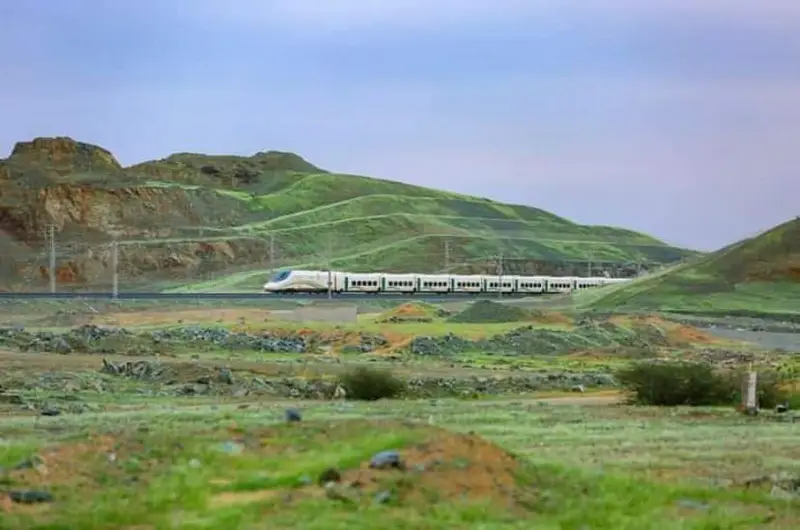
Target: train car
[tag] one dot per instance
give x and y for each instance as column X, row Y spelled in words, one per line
column 307, row 281
column 433, row 283
column 303, row 281
column 531, row 284
column 466, row 283
column 362, row 282
column 398, row 283
column 565, row 284
column 588, row 283
column 499, row 284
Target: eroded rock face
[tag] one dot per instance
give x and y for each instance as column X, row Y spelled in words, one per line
column 66, row 155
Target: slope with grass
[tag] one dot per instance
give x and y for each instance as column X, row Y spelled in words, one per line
column 189, row 216
column 758, row 276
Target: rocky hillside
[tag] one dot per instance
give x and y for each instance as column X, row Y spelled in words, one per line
column 192, row 218
column 759, row 276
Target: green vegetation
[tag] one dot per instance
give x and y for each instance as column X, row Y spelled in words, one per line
column 369, row 384
column 697, row 384
column 215, row 214
column 758, row 276
column 182, row 423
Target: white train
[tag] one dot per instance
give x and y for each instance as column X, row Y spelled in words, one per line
column 303, row 281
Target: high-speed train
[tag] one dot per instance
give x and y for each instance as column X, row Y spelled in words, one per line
column 307, row 281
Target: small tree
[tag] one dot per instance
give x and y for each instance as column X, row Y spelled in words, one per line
column 370, row 384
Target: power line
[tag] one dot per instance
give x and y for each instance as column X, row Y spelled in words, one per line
column 51, row 237
column 114, row 267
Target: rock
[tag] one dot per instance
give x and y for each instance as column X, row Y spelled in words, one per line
column 386, row 459
column 329, row 475
column 578, row 388
column 293, row 415
column 30, row 496
column 50, row 411
column 382, row 497
column 232, row 448
column 61, row 346
column 337, row 492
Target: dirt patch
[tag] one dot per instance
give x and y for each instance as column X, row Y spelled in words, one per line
column 186, row 316
column 71, row 467
column 411, row 312
column 445, row 467
column 676, row 334
column 449, row 467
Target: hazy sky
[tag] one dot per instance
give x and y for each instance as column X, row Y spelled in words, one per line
column 680, row 118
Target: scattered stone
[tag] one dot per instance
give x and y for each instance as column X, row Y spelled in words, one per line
column 232, row 448
column 692, row 504
column 30, row 496
column 338, row 493
column 329, row 475
column 383, row 497
column 29, row 463
column 386, row 459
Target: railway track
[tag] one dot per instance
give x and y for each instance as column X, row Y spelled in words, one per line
column 253, row 296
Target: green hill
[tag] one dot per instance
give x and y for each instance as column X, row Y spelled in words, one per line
column 756, row 276
column 198, row 222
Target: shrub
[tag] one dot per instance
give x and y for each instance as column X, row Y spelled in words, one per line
column 370, row 384
column 695, row 384
column 675, row 384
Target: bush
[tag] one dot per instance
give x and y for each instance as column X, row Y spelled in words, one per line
column 675, row 384
column 696, row 384
column 370, row 384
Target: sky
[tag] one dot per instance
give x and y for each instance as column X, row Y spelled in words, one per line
column 678, row 118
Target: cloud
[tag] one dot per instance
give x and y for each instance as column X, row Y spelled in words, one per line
column 417, row 14
column 678, row 117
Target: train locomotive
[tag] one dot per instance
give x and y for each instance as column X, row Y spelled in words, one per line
column 309, row 282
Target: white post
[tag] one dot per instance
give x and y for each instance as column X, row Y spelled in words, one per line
column 751, row 395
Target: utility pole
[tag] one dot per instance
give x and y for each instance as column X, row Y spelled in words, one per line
column 328, row 260
column 500, row 276
column 51, row 236
column 447, row 255
column 272, row 252
column 114, row 269
column 590, row 266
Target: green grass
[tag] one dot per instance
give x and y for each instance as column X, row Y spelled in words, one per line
column 758, row 276
column 230, row 206
column 578, row 466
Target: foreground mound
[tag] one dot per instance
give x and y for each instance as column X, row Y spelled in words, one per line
column 755, row 276
column 411, row 312
column 324, row 466
column 486, row 311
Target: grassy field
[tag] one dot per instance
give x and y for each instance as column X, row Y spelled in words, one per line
column 134, row 450
column 525, row 464
column 214, row 216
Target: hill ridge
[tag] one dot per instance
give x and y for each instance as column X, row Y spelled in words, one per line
column 756, row 275
column 188, row 216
